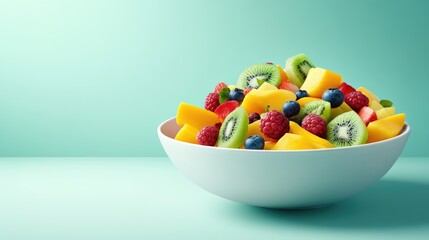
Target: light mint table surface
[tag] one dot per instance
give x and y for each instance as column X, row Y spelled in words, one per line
column 147, row 198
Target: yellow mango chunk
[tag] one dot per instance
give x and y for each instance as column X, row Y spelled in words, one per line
column 269, row 145
column 257, row 101
column 318, row 80
column 266, row 87
column 250, row 103
column 375, row 105
column 385, row 128
column 291, row 141
column 385, row 112
column 305, row 100
column 283, row 76
column 187, row 134
column 195, row 116
column 255, row 129
column 344, row 107
column 371, row 96
column 296, row 129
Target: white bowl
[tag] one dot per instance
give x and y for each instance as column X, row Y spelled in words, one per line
column 282, row 179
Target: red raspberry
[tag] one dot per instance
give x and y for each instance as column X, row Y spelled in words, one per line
column 212, row 101
column 218, row 125
column 314, row 124
column 219, row 87
column 356, row 100
column 208, row 136
column 274, row 124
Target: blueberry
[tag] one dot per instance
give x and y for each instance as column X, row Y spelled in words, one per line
column 291, row 108
column 254, row 142
column 334, row 96
column 301, row 93
column 237, row 95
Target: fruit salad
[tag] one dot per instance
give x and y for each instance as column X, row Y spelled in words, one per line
column 300, row 106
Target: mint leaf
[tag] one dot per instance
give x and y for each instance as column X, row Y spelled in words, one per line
column 224, row 95
column 386, row 103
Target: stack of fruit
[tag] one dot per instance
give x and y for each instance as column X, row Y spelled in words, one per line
column 299, row 107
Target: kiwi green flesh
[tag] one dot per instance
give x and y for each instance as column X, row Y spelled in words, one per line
column 347, row 129
column 297, row 68
column 302, row 68
column 253, row 75
column 234, row 129
column 319, row 107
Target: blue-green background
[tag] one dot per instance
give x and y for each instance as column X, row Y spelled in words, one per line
column 95, row 78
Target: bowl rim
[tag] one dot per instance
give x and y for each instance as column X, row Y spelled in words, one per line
column 404, row 132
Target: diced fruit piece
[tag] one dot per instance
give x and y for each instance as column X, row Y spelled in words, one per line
column 237, row 94
column 253, row 117
column 319, row 80
column 269, row 145
column 266, row 87
column 314, row 124
column 255, row 75
column 347, row 129
column 195, row 116
column 283, row 76
column 345, row 88
column 232, row 87
column 233, row 130
column 219, row 87
column 339, row 110
column 334, row 96
column 274, row 124
column 296, row 129
column 301, row 94
column 319, row 107
column 305, row 100
column 291, row 108
column 297, row 68
column 386, row 103
column 292, row 141
column 225, row 108
column 385, row 112
column 257, row 101
column 247, row 90
column 375, row 105
column 367, row 115
column 369, row 94
column 212, row 101
column 385, row 128
column 208, row 136
column 356, row 100
column 254, row 129
column 187, row 134
column 288, row 86
column 254, row 142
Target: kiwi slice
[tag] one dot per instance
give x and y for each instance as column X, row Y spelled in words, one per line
column 234, row 129
column 319, row 107
column 255, row 75
column 297, row 68
column 347, row 129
